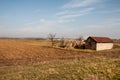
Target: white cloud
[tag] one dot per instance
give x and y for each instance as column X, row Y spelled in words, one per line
column 73, row 9
column 42, row 29
column 65, row 20
column 111, row 11
column 74, row 13
column 42, row 20
column 108, row 27
column 58, row 26
column 78, row 3
column 63, row 12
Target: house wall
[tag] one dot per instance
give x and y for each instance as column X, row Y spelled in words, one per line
column 90, row 44
column 93, row 45
column 103, row 46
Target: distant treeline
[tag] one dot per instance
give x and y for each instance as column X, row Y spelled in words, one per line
column 23, row 38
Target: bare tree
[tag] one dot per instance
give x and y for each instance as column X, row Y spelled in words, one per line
column 51, row 38
column 80, row 38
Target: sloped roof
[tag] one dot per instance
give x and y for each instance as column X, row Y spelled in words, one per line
column 102, row 39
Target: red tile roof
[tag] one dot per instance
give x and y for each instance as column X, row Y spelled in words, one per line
column 102, row 39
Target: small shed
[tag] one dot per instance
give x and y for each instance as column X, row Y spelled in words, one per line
column 99, row 43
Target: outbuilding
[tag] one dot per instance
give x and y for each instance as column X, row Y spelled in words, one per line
column 99, row 43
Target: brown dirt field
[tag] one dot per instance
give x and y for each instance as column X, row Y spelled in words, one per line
column 14, row 52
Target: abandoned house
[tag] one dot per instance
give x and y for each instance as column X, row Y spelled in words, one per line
column 99, row 43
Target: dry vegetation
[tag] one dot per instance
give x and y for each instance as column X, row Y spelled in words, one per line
column 37, row 60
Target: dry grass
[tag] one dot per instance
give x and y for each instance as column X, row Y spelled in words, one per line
column 36, row 60
column 22, row 51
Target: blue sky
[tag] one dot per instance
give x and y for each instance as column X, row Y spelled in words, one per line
column 66, row 18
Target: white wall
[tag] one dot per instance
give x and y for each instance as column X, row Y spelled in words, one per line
column 103, row 46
